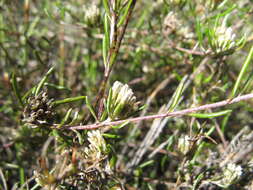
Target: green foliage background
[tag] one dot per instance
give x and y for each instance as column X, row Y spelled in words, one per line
column 157, row 49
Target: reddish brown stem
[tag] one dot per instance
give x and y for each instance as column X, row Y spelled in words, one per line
column 169, row 114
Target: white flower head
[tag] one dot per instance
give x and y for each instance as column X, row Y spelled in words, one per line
column 92, row 14
column 122, row 94
column 184, row 144
column 96, row 154
column 230, row 175
column 96, row 140
column 224, row 38
column 122, row 98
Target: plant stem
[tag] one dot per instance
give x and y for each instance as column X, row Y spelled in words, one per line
column 168, row 114
column 115, row 43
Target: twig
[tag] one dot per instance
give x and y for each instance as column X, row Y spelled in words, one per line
column 169, row 114
column 116, row 38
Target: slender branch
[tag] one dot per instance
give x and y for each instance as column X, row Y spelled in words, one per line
column 116, row 37
column 169, row 114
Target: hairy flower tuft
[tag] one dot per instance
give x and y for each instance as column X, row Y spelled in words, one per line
column 184, row 144
column 92, row 15
column 223, row 38
column 231, row 174
column 122, row 101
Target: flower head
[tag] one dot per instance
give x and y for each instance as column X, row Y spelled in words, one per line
column 96, row 140
column 97, row 146
column 230, row 175
column 223, row 38
column 92, row 15
column 170, row 23
column 122, row 93
column 122, row 101
column 184, row 144
column 96, row 155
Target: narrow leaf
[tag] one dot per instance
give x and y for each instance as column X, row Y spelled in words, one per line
column 145, row 164
column 58, row 87
column 66, row 117
column 177, row 94
column 106, row 6
column 90, row 108
column 106, row 43
column 210, row 115
column 16, row 90
column 242, row 72
column 43, row 80
column 123, row 17
column 109, row 102
column 68, row 100
column 111, row 136
column 121, row 125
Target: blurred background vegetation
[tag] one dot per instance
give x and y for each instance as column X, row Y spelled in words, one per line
column 166, row 42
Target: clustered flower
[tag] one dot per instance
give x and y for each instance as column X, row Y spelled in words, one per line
column 184, row 144
column 39, row 110
column 96, row 157
column 90, row 163
column 173, row 24
column 123, row 101
column 97, row 146
column 230, row 175
column 224, row 38
column 92, row 15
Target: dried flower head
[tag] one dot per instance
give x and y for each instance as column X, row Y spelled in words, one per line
column 122, row 101
column 170, row 23
column 39, row 110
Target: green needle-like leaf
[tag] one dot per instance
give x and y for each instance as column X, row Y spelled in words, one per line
column 242, row 73
column 210, row 115
column 68, row 100
column 16, row 90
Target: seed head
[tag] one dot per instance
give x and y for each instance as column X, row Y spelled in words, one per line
column 39, row 110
